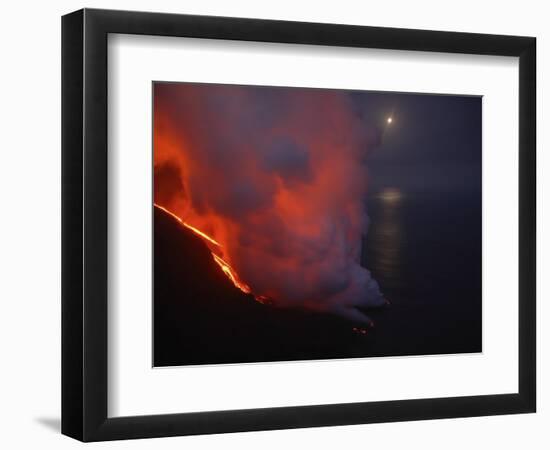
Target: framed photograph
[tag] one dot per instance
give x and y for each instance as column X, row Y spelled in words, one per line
column 272, row 224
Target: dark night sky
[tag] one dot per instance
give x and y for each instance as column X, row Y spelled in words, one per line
column 433, row 144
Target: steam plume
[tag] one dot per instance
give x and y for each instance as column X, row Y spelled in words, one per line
column 277, row 176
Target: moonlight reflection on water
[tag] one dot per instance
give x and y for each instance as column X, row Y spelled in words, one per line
column 385, row 238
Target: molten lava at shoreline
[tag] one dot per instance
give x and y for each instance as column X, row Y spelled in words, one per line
column 224, row 265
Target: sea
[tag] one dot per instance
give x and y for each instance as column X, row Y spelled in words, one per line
column 425, row 251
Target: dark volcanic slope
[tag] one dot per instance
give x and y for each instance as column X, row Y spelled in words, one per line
column 201, row 318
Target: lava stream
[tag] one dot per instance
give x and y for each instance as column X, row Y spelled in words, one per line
column 226, row 268
column 192, row 228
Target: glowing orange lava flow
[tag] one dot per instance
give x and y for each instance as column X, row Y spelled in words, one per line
column 192, row 228
column 226, row 268
column 232, row 275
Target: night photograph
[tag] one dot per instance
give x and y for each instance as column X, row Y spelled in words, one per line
column 302, row 224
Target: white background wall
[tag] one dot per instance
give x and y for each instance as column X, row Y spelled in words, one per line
column 30, row 222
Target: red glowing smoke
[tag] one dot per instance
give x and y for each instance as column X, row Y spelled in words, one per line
column 277, row 177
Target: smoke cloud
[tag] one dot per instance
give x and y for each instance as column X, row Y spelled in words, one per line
column 278, row 177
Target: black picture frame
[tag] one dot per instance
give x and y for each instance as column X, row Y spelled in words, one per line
column 84, row 224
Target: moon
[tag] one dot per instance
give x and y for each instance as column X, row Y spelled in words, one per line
column 390, row 119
